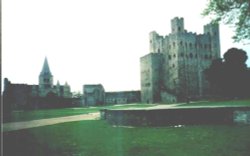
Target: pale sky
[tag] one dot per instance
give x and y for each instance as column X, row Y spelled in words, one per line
column 91, row 41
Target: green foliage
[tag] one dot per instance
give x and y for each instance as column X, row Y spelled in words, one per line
column 230, row 78
column 232, row 12
column 77, row 94
column 97, row 138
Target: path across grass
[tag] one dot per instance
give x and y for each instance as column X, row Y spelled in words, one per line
column 98, row 138
column 51, row 121
column 53, row 113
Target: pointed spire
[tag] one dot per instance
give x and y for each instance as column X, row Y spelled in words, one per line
column 45, row 70
column 66, row 83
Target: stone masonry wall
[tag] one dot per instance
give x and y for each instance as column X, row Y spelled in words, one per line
column 185, row 55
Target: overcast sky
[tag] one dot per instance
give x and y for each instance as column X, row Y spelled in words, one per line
column 91, row 41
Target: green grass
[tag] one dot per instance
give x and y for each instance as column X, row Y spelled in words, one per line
column 96, row 138
column 220, row 103
column 51, row 113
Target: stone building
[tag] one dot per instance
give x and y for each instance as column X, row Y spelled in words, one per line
column 93, row 94
column 24, row 95
column 173, row 70
column 46, row 85
column 122, row 97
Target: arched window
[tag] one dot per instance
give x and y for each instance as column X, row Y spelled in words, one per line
column 179, row 29
column 205, row 46
column 190, row 45
column 200, row 45
column 46, row 80
column 209, row 46
column 191, row 55
column 169, row 57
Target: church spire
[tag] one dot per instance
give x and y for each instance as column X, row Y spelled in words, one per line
column 45, row 70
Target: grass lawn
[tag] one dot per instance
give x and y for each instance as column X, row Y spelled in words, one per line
column 220, row 103
column 97, row 138
column 51, row 113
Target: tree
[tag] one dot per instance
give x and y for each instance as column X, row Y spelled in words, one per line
column 232, row 12
column 214, row 76
column 230, row 77
column 76, row 95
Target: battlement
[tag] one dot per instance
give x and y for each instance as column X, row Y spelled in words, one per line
column 212, row 29
column 151, row 55
column 177, row 25
column 155, row 35
column 172, row 69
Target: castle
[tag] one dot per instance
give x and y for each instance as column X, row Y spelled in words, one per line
column 173, row 70
column 21, row 95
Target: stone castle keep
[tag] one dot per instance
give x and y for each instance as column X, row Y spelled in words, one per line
column 173, row 70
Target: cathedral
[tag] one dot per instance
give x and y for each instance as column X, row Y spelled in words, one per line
column 173, row 70
column 46, row 85
column 21, row 95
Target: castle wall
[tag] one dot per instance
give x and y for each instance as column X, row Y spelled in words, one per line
column 94, row 95
column 150, row 77
column 155, row 42
column 185, row 55
column 22, row 96
column 15, row 96
column 166, row 97
column 122, row 97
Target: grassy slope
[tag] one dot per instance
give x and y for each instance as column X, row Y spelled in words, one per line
column 51, row 113
column 220, row 103
column 96, row 138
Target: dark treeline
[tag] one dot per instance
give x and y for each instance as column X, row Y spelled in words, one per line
column 230, row 77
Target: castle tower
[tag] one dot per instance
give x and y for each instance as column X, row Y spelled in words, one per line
column 173, row 71
column 58, row 90
column 45, row 80
column 177, row 25
column 156, row 42
column 66, row 90
column 212, row 30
